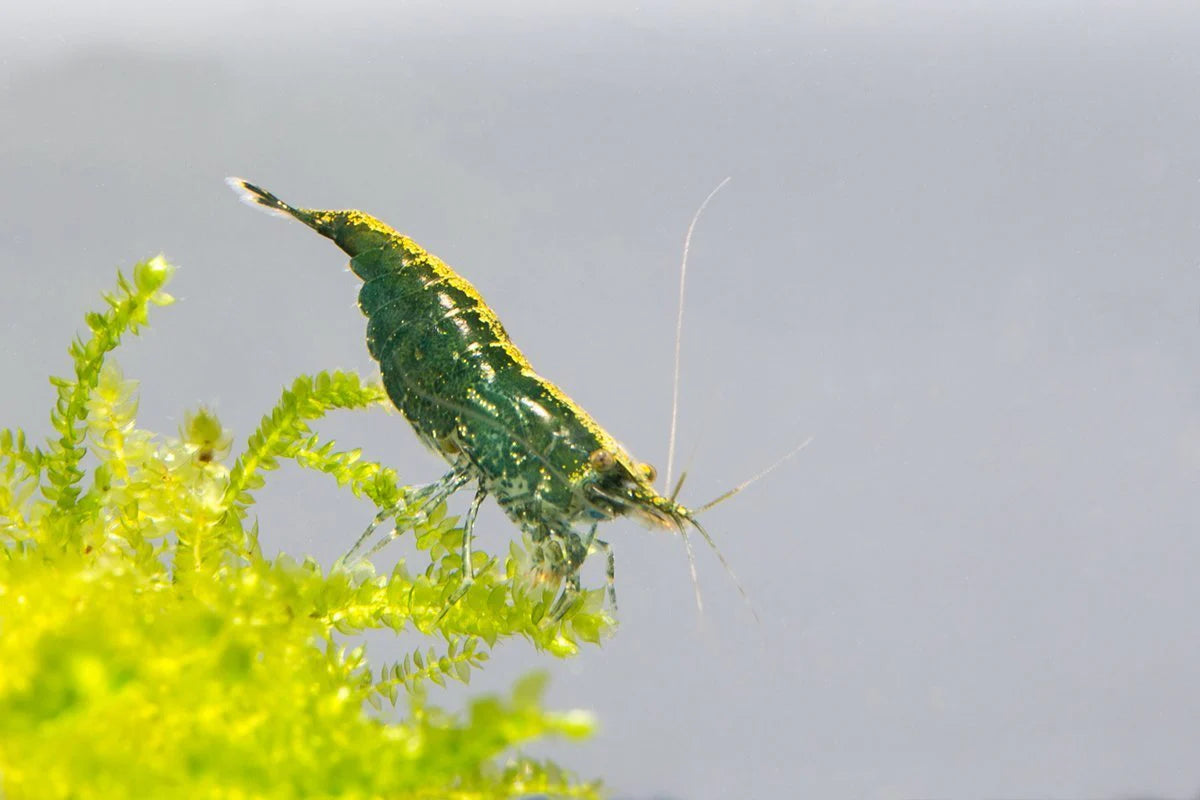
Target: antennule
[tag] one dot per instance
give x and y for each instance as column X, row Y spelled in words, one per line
column 725, row 564
column 687, row 543
column 721, row 498
column 678, row 486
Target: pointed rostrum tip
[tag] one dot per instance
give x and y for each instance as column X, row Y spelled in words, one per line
column 260, row 198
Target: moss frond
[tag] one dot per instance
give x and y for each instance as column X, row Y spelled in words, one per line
column 21, row 468
column 150, row 650
column 284, row 432
column 128, row 309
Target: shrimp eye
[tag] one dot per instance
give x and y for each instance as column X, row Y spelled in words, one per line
column 602, row 460
column 648, row 472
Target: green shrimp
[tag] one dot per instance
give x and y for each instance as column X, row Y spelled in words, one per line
column 472, row 397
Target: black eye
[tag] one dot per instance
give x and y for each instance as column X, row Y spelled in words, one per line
column 602, row 460
column 648, row 472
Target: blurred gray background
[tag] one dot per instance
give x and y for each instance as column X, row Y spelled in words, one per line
column 961, row 249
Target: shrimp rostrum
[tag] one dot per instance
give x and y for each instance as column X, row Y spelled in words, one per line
column 473, row 398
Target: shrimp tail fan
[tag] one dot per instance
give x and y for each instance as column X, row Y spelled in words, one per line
column 260, row 198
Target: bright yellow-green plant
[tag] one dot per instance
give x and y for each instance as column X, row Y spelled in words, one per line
column 149, row 650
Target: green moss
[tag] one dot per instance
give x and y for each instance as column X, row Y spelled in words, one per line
column 148, row 649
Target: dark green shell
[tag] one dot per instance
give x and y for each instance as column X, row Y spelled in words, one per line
column 472, row 397
column 451, row 369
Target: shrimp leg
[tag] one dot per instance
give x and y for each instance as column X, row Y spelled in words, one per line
column 467, row 568
column 428, row 497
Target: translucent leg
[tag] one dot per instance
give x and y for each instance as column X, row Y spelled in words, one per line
column 610, row 571
column 587, row 540
column 384, row 514
column 468, row 570
column 571, row 591
column 566, row 600
column 428, row 496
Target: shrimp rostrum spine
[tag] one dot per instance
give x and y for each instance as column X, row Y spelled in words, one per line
column 472, row 397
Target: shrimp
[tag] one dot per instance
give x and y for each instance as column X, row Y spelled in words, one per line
column 473, row 398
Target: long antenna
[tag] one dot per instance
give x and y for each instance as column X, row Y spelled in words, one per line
column 687, row 243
